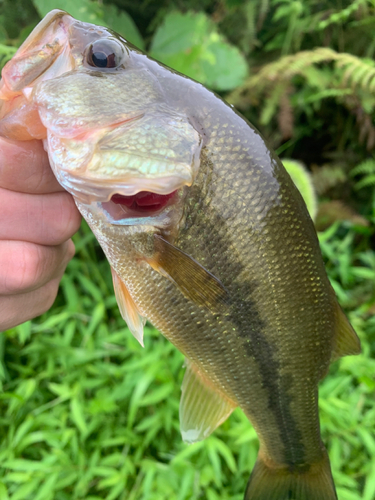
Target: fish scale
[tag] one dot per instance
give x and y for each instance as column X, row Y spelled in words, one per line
column 229, row 270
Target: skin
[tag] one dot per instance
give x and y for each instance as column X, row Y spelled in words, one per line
column 38, row 219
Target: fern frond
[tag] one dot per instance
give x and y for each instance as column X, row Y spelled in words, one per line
column 288, row 66
column 357, row 72
column 369, row 180
column 323, row 94
column 348, row 79
column 366, row 167
column 272, row 102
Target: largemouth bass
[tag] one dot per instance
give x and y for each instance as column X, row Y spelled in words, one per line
column 205, row 232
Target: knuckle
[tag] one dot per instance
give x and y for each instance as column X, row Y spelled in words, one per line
column 71, row 250
column 25, row 269
column 67, row 253
column 16, row 309
column 66, row 218
column 48, row 295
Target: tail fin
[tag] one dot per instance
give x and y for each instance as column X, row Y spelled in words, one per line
column 312, row 483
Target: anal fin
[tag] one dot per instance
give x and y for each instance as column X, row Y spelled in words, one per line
column 128, row 309
column 202, row 407
column 346, row 340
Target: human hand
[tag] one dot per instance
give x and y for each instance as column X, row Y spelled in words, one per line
column 38, row 217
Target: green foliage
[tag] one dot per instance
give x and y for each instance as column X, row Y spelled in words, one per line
column 303, row 181
column 349, row 80
column 366, row 168
column 6, row 53
column 191, row 44
column 85, row 411
column 95, row 12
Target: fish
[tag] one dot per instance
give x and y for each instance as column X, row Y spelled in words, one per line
column 207, row 237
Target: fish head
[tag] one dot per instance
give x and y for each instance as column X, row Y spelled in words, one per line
column 114, row 138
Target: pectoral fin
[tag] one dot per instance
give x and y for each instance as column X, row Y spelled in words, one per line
column 128, row 309
column 202, row 407
column 190, row 277
column 346, row 340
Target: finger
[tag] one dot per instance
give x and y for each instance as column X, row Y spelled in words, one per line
column 16, row 309
column 24, row 167
column 26, row 266
column 46, row 219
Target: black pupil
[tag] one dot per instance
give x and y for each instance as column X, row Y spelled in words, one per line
column 100, row 59
column 103, row 54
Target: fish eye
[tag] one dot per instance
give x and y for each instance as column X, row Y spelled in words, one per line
column 106, row 53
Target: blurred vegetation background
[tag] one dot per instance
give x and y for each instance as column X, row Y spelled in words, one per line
column 86, row 413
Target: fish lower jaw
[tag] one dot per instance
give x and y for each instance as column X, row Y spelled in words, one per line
column 89, row 190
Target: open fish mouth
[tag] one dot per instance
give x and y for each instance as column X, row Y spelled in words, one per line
column 142, row 204
column 140, row 208
column 144, row 201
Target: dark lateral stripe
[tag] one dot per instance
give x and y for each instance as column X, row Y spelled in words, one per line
column 244, row 315
column 257, row 347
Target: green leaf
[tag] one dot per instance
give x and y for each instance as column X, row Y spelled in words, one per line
column 25, row 390
column 179, row 33
column 3, row 491
column 24, row 331
column 47, row 489
column 369, row 490
column 226, row 454
column 84, row 10
column 227, row 68
column 122, row 23
column 156, row 395
column 95, row 13
column 191, row 44
column 302, row 179
column 78, row 415
column 61, row 390
column 25, row 465
column 24, row 491
column 91, row 288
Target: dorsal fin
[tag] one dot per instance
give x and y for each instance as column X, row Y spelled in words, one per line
column 346, row 340
column 128, row 309
column 202, row 406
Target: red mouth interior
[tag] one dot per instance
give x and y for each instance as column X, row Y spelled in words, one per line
column 144, row 201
